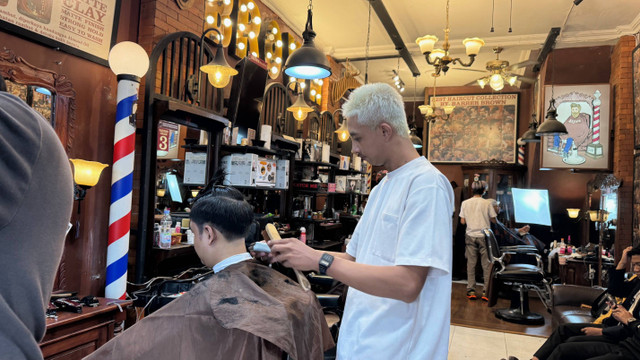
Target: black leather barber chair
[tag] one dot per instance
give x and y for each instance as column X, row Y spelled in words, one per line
column 331, row 295
column 521, row 278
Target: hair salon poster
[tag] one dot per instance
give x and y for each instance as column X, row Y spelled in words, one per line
column 86, row 28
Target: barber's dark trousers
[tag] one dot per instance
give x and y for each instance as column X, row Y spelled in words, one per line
column 572, row 336
column 590, row 350
column 476, row 247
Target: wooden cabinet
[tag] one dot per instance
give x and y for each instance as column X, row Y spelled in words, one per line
column 73, row 336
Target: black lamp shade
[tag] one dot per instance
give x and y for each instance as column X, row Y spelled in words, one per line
column 551, row 126
column 307, row 63
column 530, row 135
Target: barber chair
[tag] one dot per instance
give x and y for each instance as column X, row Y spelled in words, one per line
column 521, row 278
column 331, row 295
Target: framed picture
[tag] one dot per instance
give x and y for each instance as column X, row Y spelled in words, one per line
column 481, row 127
column 83, row 28
column 585, row 112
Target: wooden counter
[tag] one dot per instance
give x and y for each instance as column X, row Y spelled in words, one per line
column 74, row 336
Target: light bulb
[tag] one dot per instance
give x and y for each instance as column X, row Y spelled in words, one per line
column 496, row 82
column 254, row 54
column 226, row 22
column 218, row 79
column 512, row 80
column 292, row 79
column 482, row 83
column 313, row 92
column 241, row 27
column 274, row 31
column 227, row 2
column 299, row 115
column 274, row 70
column 241, row 46
column 252, row 34
column 318, row 96
column 292, row 46
column 279, row 43
column 251, row 5
column 320, row 82
column 209, row 19
column 257, row 20
column 303, row 85
column 243, row 8
column 278, row 60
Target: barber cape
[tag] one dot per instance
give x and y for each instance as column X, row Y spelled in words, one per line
column 246, row 311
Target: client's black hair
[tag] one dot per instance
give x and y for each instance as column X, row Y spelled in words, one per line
column 3, row 84
column 222, row 207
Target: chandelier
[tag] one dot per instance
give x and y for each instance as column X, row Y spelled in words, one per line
column 433, row 113
column 440, row 58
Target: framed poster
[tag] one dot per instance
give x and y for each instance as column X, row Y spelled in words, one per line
column 481, row 127
column 83, row 28
column 585, row 112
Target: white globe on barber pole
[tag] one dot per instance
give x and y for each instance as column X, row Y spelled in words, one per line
column 129, row 61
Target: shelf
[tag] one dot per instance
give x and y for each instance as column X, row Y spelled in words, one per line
column 256, row 187
column 247, row 149
column 316, row 163
column 195, row 147
column 352, row 172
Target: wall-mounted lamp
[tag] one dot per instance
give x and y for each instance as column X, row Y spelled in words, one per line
column 300, row 109
column 161, row 192
column 85, row 175
column 593, row 215
column 194, row 192
column 308, row 62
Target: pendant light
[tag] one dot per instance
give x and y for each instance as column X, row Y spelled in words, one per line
column 551, row 125
column 218, row 70
column 308, row 62
column 300, row 109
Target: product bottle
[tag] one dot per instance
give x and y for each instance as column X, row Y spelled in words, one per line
column 165, row 230
column 303, row 235
column 569, row 250
column 562, row 247
column 177, row 229
column 190, row 236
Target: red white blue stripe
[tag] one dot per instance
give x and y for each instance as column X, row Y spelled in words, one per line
column 121, row 190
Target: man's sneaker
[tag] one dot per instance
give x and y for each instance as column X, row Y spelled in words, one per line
column 471, row 294
column 484, row 296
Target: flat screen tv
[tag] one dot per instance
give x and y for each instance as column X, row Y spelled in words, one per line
column 247, row 90
column 531, row 206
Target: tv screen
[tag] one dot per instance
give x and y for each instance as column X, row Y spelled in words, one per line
column 247, row 90
column 174, row 188
column 531, row 206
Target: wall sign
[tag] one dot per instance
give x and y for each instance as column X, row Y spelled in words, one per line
column 80, row 27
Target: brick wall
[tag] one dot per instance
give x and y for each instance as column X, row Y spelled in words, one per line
column 622, row 82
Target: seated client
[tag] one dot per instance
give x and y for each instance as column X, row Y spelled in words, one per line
column 244, row 311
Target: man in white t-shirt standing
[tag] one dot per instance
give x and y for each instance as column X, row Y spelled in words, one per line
column 398, row 262
column 477, row 213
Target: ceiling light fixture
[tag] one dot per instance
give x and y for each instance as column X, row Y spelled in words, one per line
column 440, row 58
column 308, row 62
column 432, row 113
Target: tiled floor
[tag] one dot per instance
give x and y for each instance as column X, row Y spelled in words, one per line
column 469, row 343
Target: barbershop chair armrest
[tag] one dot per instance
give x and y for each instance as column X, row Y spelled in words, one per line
column 322, row 280
column 527, row 252
column 328, row 300
column 575, row 295
column 519, row 248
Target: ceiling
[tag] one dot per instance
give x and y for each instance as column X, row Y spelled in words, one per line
column 341, row 27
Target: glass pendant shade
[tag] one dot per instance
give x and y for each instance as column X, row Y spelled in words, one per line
column 573, row 213
column 425, row 110
column 218, row 70
column 437, row 54
column 300, row 109
column 128, row 58
column 473, row 45
column 448, row 109
column 482, row 82
column 426, row 43
column 343, row 132
column 87, row 173
column 496, row 82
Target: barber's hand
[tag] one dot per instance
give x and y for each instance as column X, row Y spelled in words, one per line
column 294, row 253
column 621, row 314
column 624, row 258
column 591, row 331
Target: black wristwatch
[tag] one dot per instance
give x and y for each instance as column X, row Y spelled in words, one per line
column 325, row 262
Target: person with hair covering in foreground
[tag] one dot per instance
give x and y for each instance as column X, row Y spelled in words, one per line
column 35, row 207
column 244, row 311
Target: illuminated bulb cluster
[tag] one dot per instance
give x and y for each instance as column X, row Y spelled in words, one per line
column 273, row 49
column 497, row 80
column 398, row 81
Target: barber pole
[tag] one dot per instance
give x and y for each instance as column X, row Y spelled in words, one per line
column 121, row 189
column 521, row 155
column 129, row 61
column 595, row 148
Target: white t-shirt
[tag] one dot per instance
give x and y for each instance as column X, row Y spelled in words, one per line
column 407, row 221
column 477, row 213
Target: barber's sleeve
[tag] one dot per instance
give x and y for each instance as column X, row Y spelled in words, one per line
column 617, row 332
column 425, row 232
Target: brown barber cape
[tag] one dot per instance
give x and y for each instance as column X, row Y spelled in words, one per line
column 246, row 311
